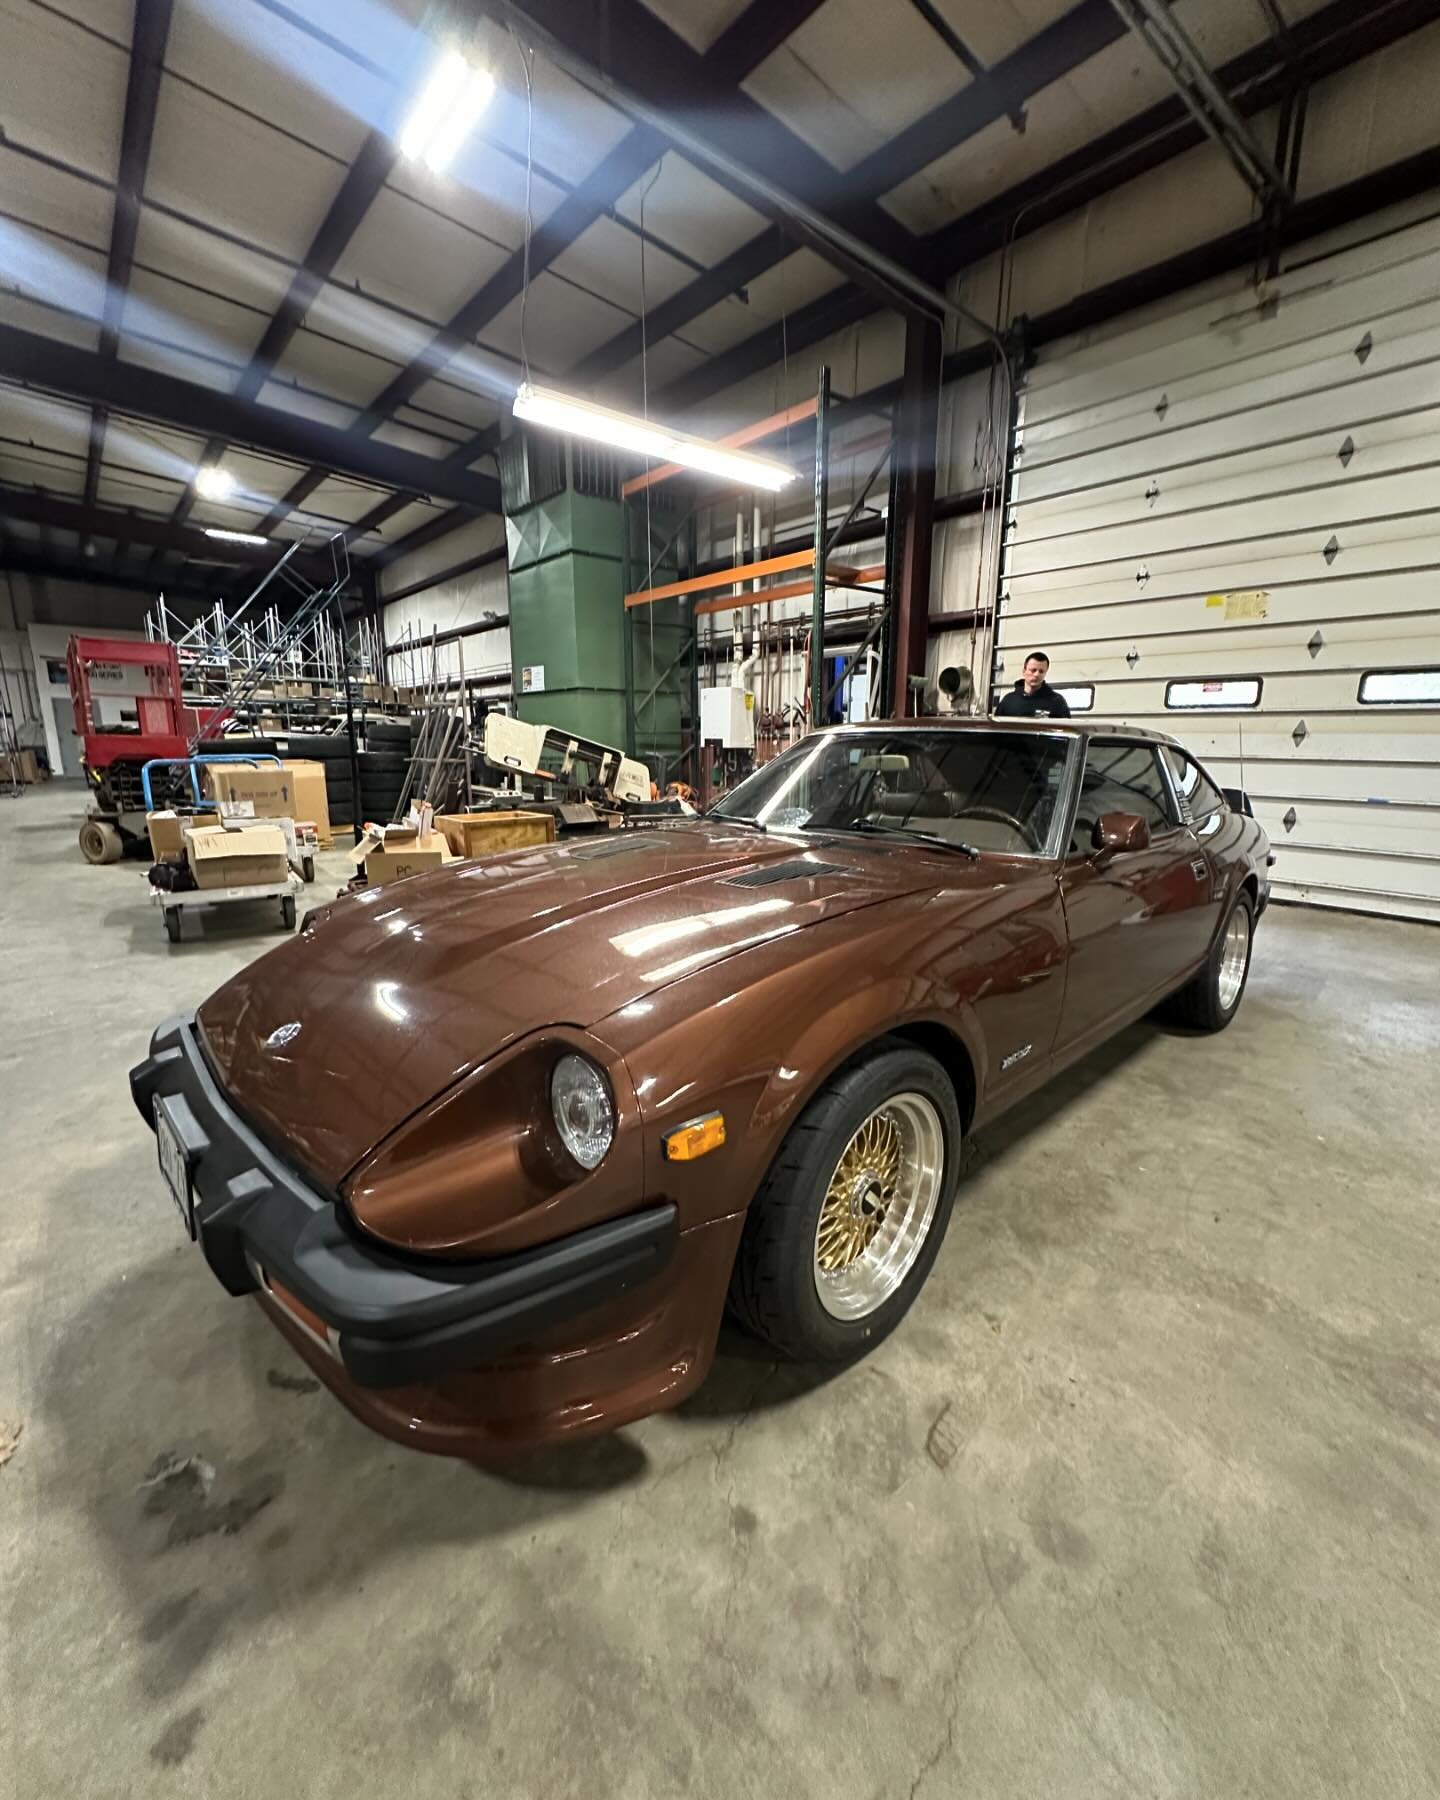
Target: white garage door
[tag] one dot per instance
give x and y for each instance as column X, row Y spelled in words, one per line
column 1226, row 522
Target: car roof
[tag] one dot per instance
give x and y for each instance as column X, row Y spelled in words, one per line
column 1072, row 727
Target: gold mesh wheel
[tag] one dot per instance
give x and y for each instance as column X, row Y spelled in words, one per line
column 878, row 1206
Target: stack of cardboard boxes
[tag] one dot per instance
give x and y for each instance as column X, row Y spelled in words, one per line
column 291, row 790
column 220, row 854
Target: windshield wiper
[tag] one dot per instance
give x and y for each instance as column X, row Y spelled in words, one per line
column 874, row 827
column 740, row 819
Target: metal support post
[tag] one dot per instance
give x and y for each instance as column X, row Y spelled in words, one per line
column 356, row 821
column 822, row 510
column 916, row 431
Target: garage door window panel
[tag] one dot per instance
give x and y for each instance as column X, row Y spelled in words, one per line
column 1214, row 695
column 1399, row 687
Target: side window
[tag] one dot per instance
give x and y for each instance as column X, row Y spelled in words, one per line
column 1199, row 796
column 1120, row 777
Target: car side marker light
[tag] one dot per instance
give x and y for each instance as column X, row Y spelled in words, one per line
column 698, row 1138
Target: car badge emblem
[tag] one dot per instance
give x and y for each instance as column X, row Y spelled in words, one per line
column 283, row 1035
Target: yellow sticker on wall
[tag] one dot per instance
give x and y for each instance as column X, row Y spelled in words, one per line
column 1249, row 603
column 1246, row 603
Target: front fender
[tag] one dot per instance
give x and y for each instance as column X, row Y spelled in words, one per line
column 758, row 1039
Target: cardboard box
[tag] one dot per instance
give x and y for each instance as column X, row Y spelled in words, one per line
column 22, row 766
column 394, row 851
column 252, row 790
column 311, row 801
column 167, row 833
column 481, row 834
column 236, row 855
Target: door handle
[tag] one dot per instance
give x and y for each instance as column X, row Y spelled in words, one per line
column 1034, row 976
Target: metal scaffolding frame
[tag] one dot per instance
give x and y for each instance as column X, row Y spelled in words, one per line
column 757, row 583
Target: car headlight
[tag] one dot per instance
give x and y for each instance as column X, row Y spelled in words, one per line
column 584, row 1111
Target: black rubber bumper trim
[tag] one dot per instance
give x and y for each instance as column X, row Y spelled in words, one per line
column 398, row 1321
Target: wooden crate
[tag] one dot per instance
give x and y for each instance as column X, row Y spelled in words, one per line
column 482, row 834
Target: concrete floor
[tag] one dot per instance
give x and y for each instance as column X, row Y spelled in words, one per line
column 1142, row 1500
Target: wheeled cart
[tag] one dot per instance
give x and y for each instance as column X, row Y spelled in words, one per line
column 172, row 905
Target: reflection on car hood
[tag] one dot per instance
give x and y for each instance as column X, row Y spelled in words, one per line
column 333, row 1040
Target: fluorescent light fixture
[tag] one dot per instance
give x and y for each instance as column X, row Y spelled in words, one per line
column 581, row 418
column 445, row 113
column 235, row 537
column 214, row 483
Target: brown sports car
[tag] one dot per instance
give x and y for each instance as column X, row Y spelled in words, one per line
column 494, row 1146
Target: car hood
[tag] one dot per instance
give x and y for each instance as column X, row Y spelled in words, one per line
column 395, row 993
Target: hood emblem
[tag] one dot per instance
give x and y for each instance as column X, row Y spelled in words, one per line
column 283, row 1035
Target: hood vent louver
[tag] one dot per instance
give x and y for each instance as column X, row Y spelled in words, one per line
column 798, row 870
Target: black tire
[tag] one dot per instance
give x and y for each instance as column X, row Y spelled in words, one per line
column 381, row 736
column 172, row 923
column 307, row 867
column 381, row 793
column 287, row 912
column 773, row 1289
column 101, row 842
column 238, row 746
column 384, row 762
column 313, row 748
column 1199, row 1004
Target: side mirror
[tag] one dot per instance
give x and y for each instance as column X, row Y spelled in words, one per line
column 1117, row 833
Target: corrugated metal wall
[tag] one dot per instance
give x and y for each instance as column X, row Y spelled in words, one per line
column 1248, row 486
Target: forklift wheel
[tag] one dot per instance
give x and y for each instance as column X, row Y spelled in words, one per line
column 100, row 843
column 287, row 912
column 172, row 923
column 307, row 867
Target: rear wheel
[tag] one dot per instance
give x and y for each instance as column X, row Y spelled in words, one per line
column 1211, row 1000
column 100, row 842
column 287, row 912
column 846, row 1226
column 172, row 924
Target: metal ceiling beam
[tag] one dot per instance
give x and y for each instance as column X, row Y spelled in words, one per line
column 1205, row 98
column 96, row 572
column 92, row 521
column 1340, row 34
column 124, row 387
column 142, row 96
column 363, row 181
column 1072, row 40
column 630, row 57
column 760, row 29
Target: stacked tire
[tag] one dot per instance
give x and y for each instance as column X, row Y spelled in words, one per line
column 384, row 763
column 333, row 751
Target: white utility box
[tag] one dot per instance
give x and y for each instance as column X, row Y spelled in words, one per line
column 727, row 717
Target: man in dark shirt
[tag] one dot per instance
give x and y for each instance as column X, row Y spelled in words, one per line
column 1032, row 697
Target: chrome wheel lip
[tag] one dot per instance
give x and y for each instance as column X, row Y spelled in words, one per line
column 1234, row 959
column 880, row 1270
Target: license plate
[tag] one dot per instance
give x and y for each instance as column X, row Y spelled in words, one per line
column 175, row 1168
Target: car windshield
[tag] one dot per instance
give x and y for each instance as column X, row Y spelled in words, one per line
column 991, row 790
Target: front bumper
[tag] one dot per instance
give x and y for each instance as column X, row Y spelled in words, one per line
column 389, row 1320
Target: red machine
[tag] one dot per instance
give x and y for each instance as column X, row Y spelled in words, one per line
column 126, row 693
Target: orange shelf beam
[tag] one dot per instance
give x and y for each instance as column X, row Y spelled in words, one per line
column 737, row 440
column 770, row 565
column 792, row 590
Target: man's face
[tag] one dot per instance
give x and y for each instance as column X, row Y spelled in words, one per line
column 1034, row 673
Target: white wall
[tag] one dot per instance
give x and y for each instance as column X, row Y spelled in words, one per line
column 467, row 600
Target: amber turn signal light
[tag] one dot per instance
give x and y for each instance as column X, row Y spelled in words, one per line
column 698, row 1138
